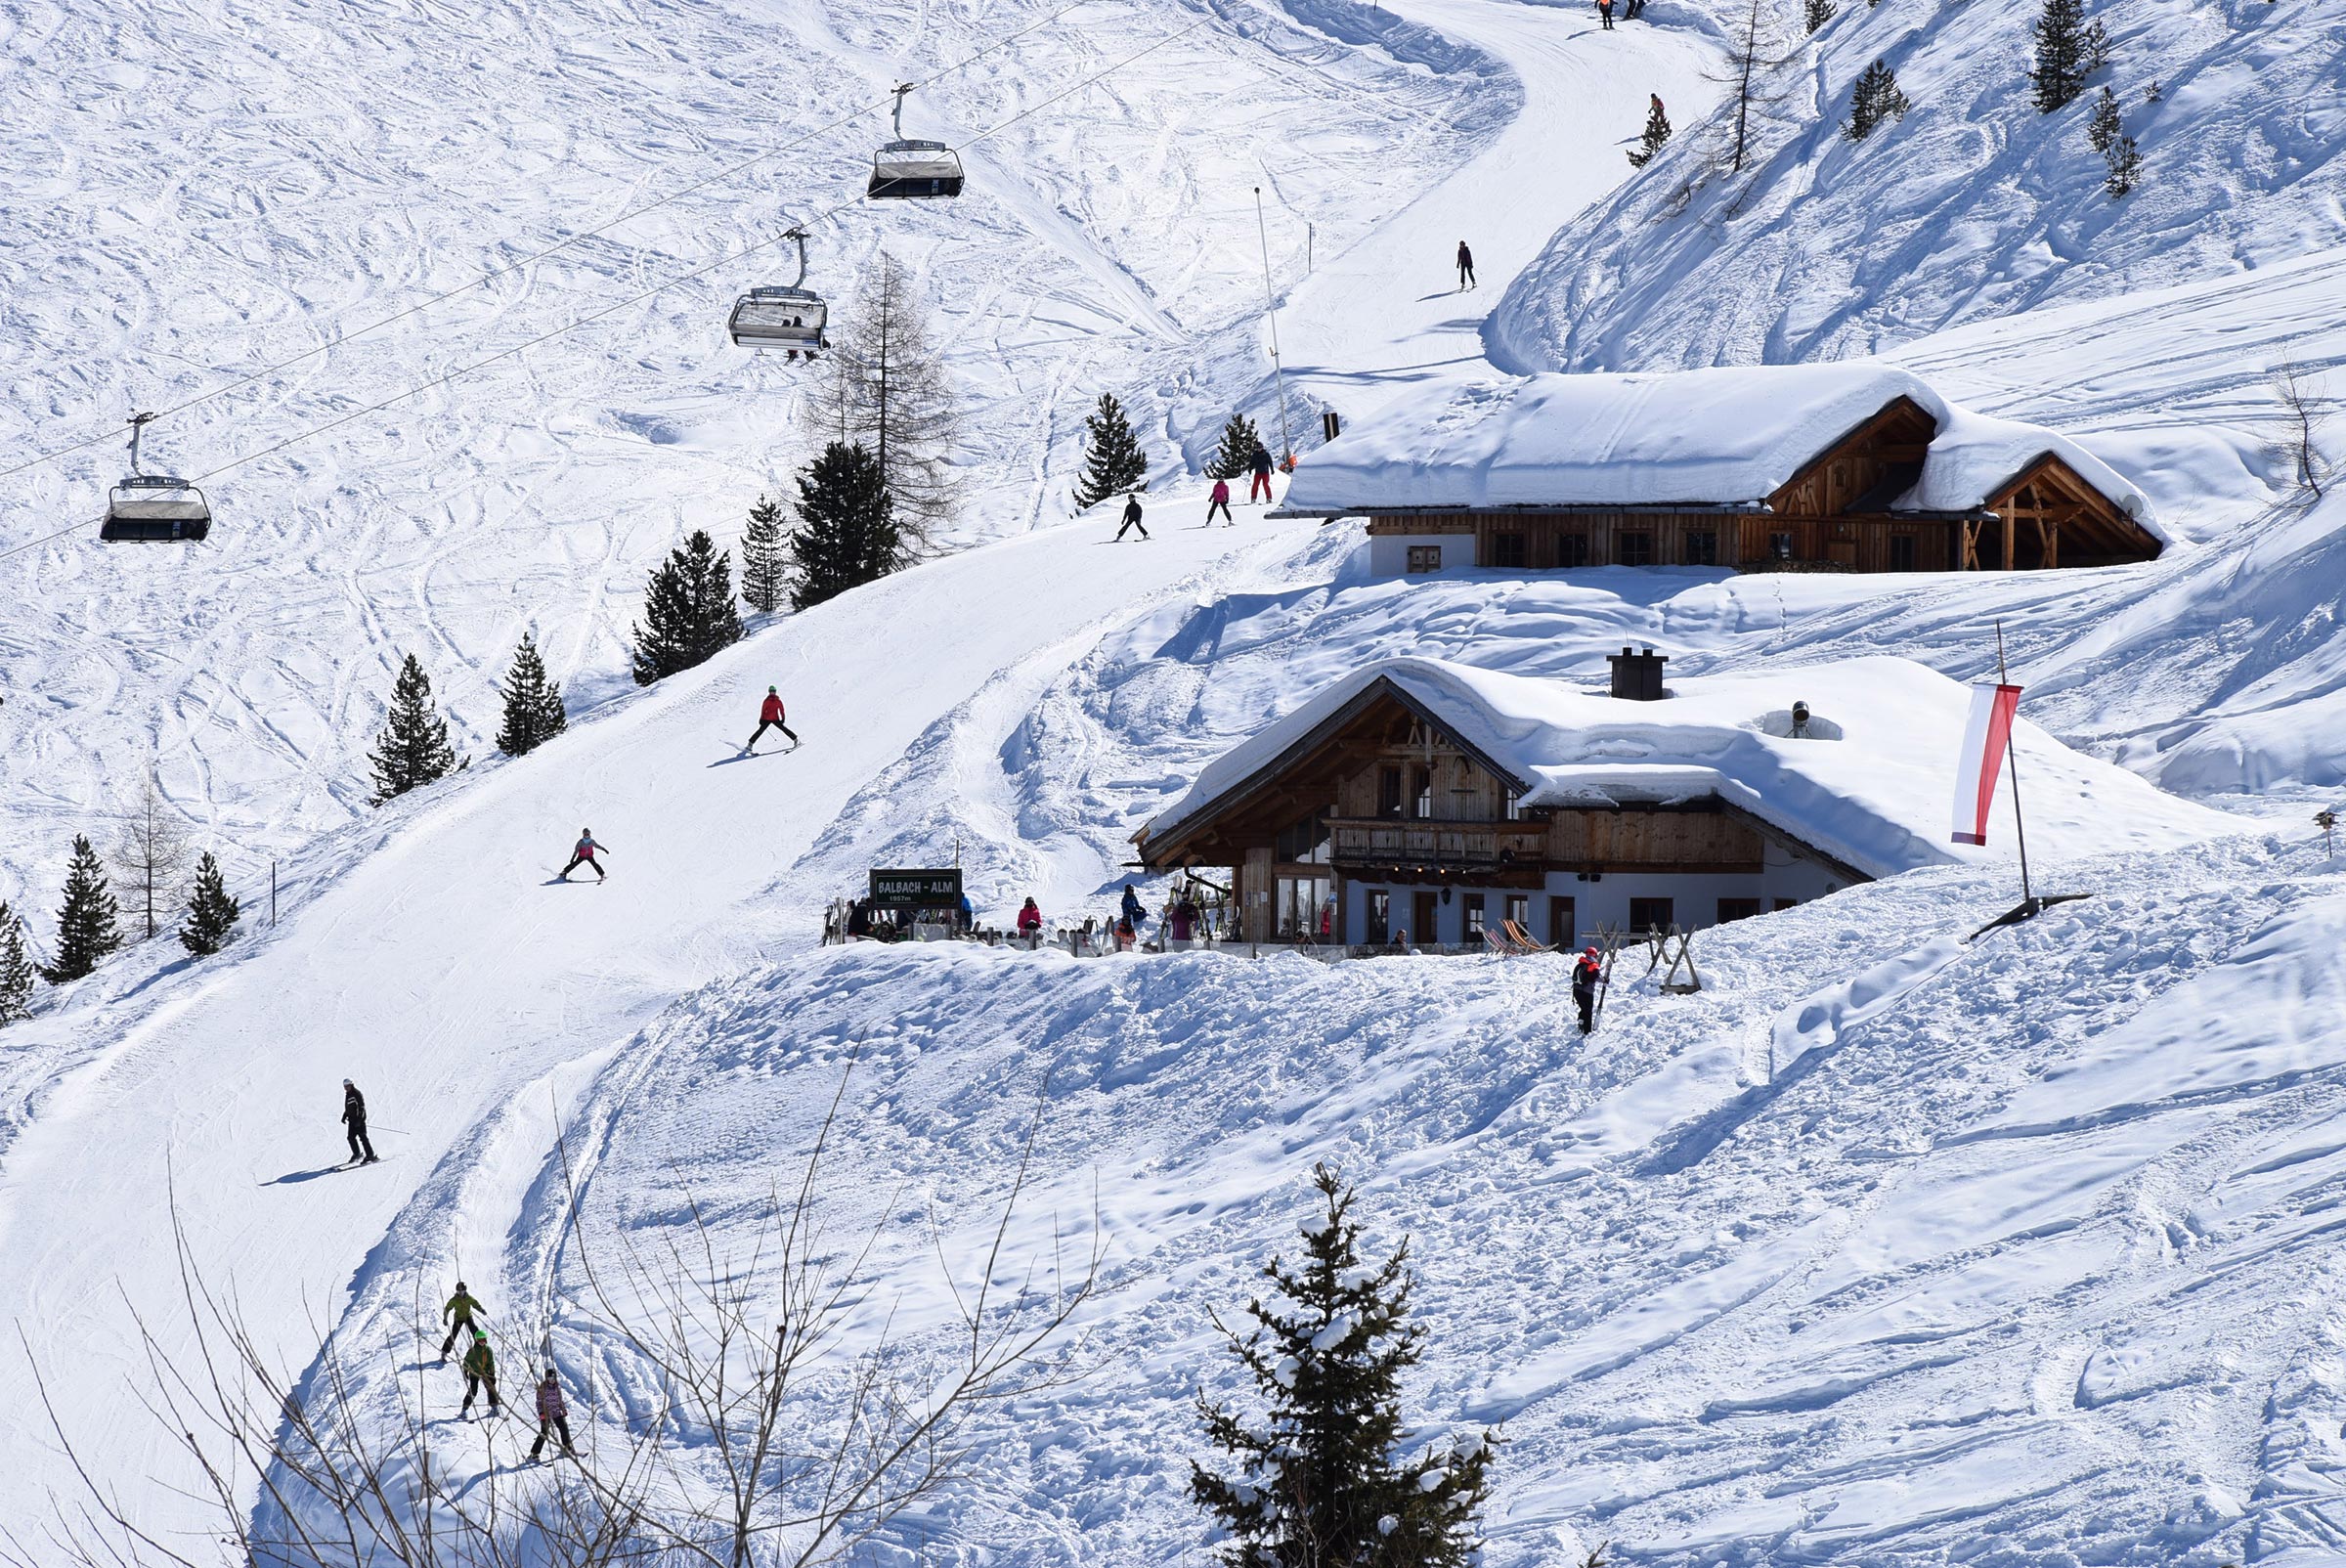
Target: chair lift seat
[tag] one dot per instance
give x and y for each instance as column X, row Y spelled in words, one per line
column 912, row 169
column 155, row 508
column 790, row 318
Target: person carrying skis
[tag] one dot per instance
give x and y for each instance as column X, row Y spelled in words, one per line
column 1219, row 502
column 1030, row 923
column 1262, row 476
column 1584, row 976
column 584, row 854
column 1465, row 267
column 354, row 1121
column 463, row 1309
column 480, row 1371
column 551, row 1413
column 770, row 717
column 1132, row 518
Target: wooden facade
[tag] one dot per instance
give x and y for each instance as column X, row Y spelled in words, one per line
column 1381, row 793
column 1833, row 514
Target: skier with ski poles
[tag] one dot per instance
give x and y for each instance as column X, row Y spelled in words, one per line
column 1466, row 268
column 1132, row 518
column 1585, row 977
column 583, row 853
column 464, row 1310
column 354, row 1121
column 1261, row 485
column 770, row 717
column 480, row 1371
column 551, row 1413
column 1219, row 502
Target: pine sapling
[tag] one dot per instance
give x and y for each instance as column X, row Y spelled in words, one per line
column 2102, row 128
column 1816, row 13
column 1877, row 98
column 1114, row 463
column 15, row 969
column 1657, row 134
column 1321, row 1478
column 2125, row 167
column 764, row 558
column 212, row 913
column 412, row 750
column 86, row 928
column 533, row 712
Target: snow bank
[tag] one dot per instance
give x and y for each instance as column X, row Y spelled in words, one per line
column 1877, row 797
column 1712, row 437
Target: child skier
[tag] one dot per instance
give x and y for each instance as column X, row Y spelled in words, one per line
column 1132, row 519
column 1219, row 502
column 354, row 1120
column 1584, row 976
column 584, row 854
column 551, row 1413
column 463, row 1309
column 480, row 1371
column 770, row 717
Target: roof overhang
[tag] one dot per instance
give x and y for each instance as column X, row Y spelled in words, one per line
column 1536, row 508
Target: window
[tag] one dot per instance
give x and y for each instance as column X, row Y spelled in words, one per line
column 1380, row 915
column 1737, row 909
column 1780, row 546
column 1634, row 547
column 1788, row 903
column 1514, row 810
column 1560, row 926
column 1388, row 791
column 1901, row 552
column 1506, row 549
column 1428, row 927
column 1649, row 914
column 1301, row 902
column 1702, row 547
column 1474, row 917
column 1519, row 911
column 1571, row 548
column 1424, row 794
column 1304, row 842
column 1425, row 557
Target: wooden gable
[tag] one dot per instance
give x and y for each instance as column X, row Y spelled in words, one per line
column 1857, row 472
column 2048, row 515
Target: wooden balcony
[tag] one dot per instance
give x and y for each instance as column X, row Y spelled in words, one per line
column 1432, row 842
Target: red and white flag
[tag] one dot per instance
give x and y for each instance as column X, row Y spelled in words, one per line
column 1983, row 740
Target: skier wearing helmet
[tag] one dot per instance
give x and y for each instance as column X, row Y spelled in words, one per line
column 1584, row 976
column 770, row 717
column 584, row 854
column 459, row 1314
column 354, row 1120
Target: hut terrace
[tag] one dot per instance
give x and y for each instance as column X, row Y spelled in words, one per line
column 1854, row 467
column 1420, row 796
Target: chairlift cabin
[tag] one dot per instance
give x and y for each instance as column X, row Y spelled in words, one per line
column 791, row 319
column 910, row 168
column 154, row 508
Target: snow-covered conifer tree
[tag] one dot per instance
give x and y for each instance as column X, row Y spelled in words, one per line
column 2069, row 49
column 86, row 929
column 1323, row 1478
column 1876, row 98
column 764, row 558
column 412, row 750
column 688, row 613
column 15, row 969
column 533, row 712
column 212, row 913
column 1113, row 461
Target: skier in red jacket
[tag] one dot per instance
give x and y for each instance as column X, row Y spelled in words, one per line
column 770, row 717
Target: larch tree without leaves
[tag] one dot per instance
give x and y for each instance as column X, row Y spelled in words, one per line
column 847, row 534
column 412, row 750
column 1322, row 1481
column 1751, row 76
column 1113, row 461
column 212, row 913
column 149, row 854
column 15, row 969
column 688, row 614
column 764, row 558
column 86, row 929
column 885, row 389
column 533, row 712
column 1236, row 455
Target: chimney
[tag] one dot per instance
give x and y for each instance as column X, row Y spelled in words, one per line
column 1637, row 676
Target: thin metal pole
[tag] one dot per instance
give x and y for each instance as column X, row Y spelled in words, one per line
column 2012, row 758
column 273, row 894
column 1262, row 231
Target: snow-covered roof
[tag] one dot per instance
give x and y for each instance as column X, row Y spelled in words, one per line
column 1877, row 798
column 1724, row 436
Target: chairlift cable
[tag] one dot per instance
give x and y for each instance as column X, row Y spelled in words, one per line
column 560, row 245
column 591, row 317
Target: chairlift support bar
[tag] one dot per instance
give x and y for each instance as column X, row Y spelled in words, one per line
column 800, row 235
column 138, row 428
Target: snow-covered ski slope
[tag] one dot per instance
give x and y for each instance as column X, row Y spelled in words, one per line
column 1973, row 207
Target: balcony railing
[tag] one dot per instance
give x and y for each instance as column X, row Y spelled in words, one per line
column 1430, row 841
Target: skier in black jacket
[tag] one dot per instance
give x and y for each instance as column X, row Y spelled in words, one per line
column 1132, row 518
column 1584, row 976
column 354, row 1118
column 1465, row 267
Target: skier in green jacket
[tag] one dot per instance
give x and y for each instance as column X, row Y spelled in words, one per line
column 463, row 1309
column 480, row 1371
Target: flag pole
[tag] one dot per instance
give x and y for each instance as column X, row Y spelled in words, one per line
column 2011, row 759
